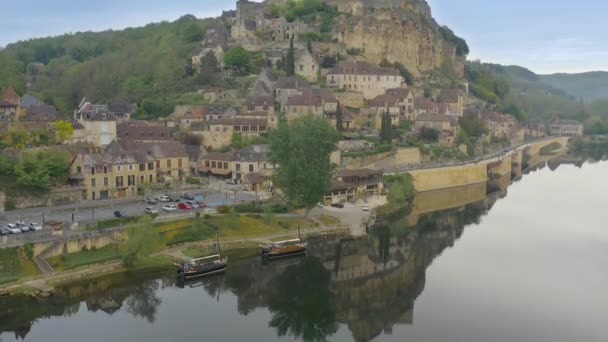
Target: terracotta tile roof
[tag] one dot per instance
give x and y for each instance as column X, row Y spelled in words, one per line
column 196, row 112
column 142, row 130
column 40, row 113
column 157, row 150
column 10, row 94
column 424, row 104
column 362, row 68
column 4, row 103
column 219, row 156
column 258, row 101
column 312, row 97
column 292, row 83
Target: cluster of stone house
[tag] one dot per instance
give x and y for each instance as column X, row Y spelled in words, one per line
column 349, row 185
column 364, row 77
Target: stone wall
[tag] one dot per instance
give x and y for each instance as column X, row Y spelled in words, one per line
column 448, row 177
column 362, row 162
column 407, row 156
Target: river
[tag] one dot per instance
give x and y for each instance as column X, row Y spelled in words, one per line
column 526, row 262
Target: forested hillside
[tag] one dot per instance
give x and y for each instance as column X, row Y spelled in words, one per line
column 146, row 65
column 589, row 85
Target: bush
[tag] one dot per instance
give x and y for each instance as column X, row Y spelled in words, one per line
column 206, row 216
column 115, row 222
column 10, row 204
column 193, row 180
column 84, row 249
column 354, row 51
column 224, row 209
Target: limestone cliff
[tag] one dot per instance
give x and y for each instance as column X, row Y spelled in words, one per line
column 401, row 31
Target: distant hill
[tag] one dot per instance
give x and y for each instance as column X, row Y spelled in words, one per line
column 589, row 85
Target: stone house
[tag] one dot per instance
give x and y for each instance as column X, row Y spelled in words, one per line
column 264, row 84
column 348, row 124
column 122, row 109
column 424, row 105
column 217, row 134
column 10, row 106
column 274, row 56
column 217, row 164
column 287, row 87
column 454, row 98
column 93, row 124
column 381, row 104
column 252, row 167
column 440, row 122
column 259, row 104
column 535, row 127
column 565, row 128
column 366, row 78
column 350, row 185
column 405, row 98
column 220, row 111
column 315, row 101
column 306, row 65
column 499, row 125
column 216, row 94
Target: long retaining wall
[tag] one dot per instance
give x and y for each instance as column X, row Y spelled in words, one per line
column 449, row 177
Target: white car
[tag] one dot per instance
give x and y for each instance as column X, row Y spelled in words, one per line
column 13, row 228
column 365, row 207
column 231, row 182
column 169, row 207
column 149, row 210
column 164, row 199
column 35, row 227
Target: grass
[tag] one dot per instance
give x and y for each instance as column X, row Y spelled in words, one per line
column 329, row 220
column 16, row 263
column 74, row 260
column 550, row 149
column 234, row 252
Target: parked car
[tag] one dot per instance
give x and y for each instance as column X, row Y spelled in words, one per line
column 365, row 207
column 35, row 227
column 193, row 204
column 149, row 210
column 13, row 228
column 184, row 206
column 24, row 227
column 231, row 182
column 164, row 199
column 169, row 207
column 188, row 197
column 320, row 204
column 151, row 201
column 118, row 214
column 338, row 205
column 199, row 198
column 4, row 231
column 201, row 204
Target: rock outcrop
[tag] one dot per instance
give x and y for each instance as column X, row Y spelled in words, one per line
column 401, row 31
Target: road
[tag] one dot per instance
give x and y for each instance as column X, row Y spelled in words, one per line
column 91, row 211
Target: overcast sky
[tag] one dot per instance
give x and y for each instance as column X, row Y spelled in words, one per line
column 543, row 35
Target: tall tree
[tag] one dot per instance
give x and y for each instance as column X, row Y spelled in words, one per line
column 339, row 126
column 290, row 61
column 302, row 150
column 309, row 46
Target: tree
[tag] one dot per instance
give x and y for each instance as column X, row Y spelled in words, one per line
column 302, row 150
column 472, row 125
column 386, row 127
column 237, row 58
column 429, row 134
column 63, row 131
column 309, row 46
column 141, row 242
column 339, row 126
column 290, row 61
column 37, row 171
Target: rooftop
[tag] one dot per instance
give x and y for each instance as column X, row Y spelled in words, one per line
column 362, row 68
column 433, row 117
column 449, row 95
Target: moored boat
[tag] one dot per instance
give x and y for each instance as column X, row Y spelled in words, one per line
column 282, row 249
column 202, row 266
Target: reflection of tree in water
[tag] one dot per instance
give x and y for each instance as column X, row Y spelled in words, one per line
column 144, row 302
column 302, row 304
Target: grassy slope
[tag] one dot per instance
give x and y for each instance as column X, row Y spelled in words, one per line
column 15, row 264
column 589, row 85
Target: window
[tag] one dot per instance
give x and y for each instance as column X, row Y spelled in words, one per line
column 150, row 178
column 206, row 163
column 150, row 166
column 226, row 165
column 142, row 167
column 213, row 164
column 105, row 181
column 92, row 170
column 130, row 167
column 131, row 180
column 313, row 67
column 264, row 165
column 238, row 167
column 141, row 179
column 266, row 107
column 250, row 167
column 78, row 169
column 301, row 67
column 179, row 163
column 105, row 169
column 119, row 182
column 119, row 168
column 93, row 195
column 158, row 164
column 93, row 182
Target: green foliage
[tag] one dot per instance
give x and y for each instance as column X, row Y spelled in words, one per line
column 379, row 149
column 401, row 190
column 339, row 124
column 237, row 58
column 290, row 61
column 145, row 65
column 292, row 10
column 63, row 130
column 588, row 86
column 279, row 208
column 115, row 222
column 10, row 204
column 472, row 126
column 193, row 180
column 386, row 128
column 462, row 49
column 233, row 219
column 268, row 215
column 142, row 241
column 430, row 135
column 302, row 151
column 208, row 69
column 38, row 171
column 312, row 36
column 550, row 149
column 354, row 51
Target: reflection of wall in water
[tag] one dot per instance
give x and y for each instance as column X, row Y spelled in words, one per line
column 431, row 201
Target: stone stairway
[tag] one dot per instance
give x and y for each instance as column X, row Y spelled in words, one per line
column 40, row 260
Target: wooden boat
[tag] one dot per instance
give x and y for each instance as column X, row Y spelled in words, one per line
column 283, row 249
column 208, row 265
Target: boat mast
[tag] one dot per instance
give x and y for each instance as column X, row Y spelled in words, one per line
column 217, row 238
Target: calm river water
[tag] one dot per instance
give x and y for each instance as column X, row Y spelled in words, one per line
column 527, row 262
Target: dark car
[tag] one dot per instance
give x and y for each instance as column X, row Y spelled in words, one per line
column 118, row 214
column 338, row 205
column 4, row 231
column 152, row 201
column 188, row 197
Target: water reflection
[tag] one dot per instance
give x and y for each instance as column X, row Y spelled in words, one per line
column 368, row 285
